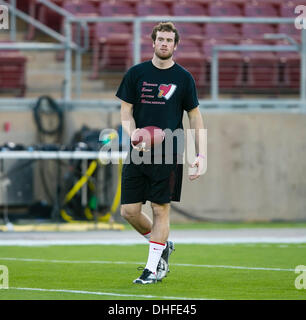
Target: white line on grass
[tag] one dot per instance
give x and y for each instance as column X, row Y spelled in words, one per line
column 107, row 294
column 139, row 263
column 202, row 240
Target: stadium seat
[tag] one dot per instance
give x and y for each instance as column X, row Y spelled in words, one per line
column 191, row 31
column 275, row 3
column 50, row 17
column 13, row 71
column 227, row 31
column 189, row 9
column 80, row 9
column 146, row 52
column 45, row 15
column 202, row 2
column 230, row 64
column 256, row 30
column 24, row 5
column 289, row 67
column 190, row 55
column 260, row 9
column 112, row 9
column 146, row 29
column 224, row 9
column 290, row 30
column 111, row 39
column 262, row 67
column 110, row 46
column 240, row 2
column 287, row 10
column 152, row 9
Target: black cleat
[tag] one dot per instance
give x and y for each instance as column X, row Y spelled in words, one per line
column 147, row 277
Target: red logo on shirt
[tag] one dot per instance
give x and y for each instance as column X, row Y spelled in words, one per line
column 166, row 90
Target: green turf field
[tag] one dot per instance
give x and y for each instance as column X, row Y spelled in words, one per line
column 236, row 271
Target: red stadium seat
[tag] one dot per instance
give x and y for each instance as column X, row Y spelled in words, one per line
column 260, row 9
column 287, row 9
column 239, row 2
column 230, row 64
column 227, row 31
column 146, row 29
column 289, row 68
column 189, row 55
column 275, row 3
column 191, row 31
column 43, row 14
column 189, row 9
column 262, row 67
column 23, row 5
column 146, row 53
column 80, row 8
column 110, row 46
column 290, row 30
column 152, row 9
column 12, row 71
column 223, row 9
column 112, row 9
column 256, row 30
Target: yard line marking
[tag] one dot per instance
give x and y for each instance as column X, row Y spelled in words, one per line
column 202, row 240
column 137, row 263
column 107, row 293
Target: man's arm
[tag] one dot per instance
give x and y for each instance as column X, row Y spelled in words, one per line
column 127, row 119
column 128, row 122
column 196, row 123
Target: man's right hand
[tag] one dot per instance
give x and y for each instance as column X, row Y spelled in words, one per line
column 139, row 147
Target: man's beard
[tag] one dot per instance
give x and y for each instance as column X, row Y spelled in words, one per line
column 163, row 57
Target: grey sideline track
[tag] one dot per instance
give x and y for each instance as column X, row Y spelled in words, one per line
column 128, row 237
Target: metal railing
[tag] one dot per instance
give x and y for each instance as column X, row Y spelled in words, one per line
column 291, row 105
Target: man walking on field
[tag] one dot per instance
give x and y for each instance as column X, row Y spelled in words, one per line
column 156, row 93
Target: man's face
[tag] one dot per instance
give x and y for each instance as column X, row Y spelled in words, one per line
column 164, row 44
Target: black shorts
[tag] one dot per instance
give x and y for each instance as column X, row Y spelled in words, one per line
column 158, row 183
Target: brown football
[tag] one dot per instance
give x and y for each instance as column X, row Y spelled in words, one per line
column 148, row 136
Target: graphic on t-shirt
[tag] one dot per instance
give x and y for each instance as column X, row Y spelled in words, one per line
column 166, row 90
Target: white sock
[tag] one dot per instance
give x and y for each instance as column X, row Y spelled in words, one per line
column 147, row 235
column 155, row 252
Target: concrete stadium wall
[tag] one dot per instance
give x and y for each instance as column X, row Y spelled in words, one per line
column 256, row 163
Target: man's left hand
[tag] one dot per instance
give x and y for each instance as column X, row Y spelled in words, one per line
column 198, row 164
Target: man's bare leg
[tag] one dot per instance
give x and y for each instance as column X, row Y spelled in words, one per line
column 160, row 228
column 135, row 217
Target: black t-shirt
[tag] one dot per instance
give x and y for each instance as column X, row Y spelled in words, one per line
column 159, row 96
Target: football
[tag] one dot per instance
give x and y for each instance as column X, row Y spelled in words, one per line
column 147, row 137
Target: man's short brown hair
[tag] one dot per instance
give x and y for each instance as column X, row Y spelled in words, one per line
column 167, row 27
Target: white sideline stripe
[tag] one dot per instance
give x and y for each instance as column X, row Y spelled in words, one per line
column 107, row 294
column 138, row 263
column 229, row 240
